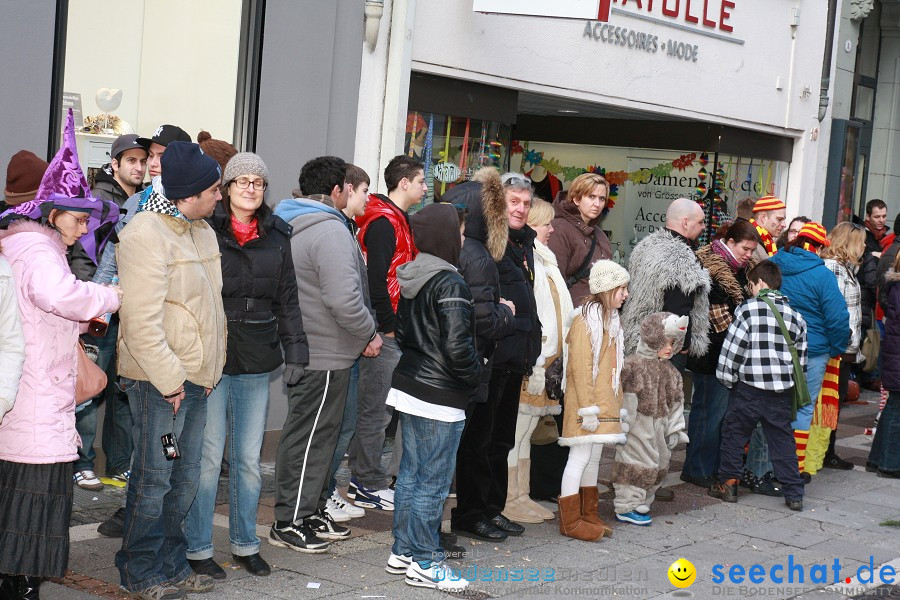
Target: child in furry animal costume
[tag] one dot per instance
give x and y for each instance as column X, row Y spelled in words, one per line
column 654, row 403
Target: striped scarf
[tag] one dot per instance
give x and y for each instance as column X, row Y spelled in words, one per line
column 766, row 238
column 828, row 404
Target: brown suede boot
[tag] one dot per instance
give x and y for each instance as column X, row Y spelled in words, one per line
column 572, row 525
column 590, row 500
column 515, row 510
column 525, row 489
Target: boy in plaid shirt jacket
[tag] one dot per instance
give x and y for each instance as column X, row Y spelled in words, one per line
column 756, row 364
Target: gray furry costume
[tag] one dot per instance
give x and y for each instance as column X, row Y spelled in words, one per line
column 662, row 262
column 654, row 403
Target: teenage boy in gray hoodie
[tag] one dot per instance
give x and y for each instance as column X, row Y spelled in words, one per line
column 339, row 327
column 438, row 374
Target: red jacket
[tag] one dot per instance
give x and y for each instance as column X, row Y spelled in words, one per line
column 405, row 248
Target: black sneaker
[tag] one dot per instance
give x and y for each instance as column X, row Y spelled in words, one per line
column 871, row 467
column 322, row 525
column 834, row 461
column 767, row 485
column 796, row 505
column 748, row 479
column 113, row 526
column 297, row 537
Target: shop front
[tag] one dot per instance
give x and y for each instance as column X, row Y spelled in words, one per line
column 708, row 100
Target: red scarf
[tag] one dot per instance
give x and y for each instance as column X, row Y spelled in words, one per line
column 766, row 237
column 878, row 234
column 243, row 233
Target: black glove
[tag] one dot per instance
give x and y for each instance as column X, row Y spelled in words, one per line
column 292, row 373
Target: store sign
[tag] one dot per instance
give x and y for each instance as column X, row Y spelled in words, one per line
column 640, row 41
column 569, row 9
column 710, row 14
column 446, row 172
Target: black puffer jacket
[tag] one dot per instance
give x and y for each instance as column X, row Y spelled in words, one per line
column 436, row 331
column 259, row 290
column 486, row 236
column 518, row 352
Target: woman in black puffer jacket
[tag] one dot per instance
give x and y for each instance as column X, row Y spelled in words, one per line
column 265, row 329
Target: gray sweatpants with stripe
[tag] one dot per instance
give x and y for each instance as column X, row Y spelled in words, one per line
column 310, row 434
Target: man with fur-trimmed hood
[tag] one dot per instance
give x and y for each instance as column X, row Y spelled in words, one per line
column 666, row 276
column 486, row 233
column 654, row 403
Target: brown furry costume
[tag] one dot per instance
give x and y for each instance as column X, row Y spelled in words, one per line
column 654, row 404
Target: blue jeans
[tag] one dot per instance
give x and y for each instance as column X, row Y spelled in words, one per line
column 426, row 470
column 815, row 375
column 86, row 418
column 160, row 491
column 235, row 409
column 348, row 426
column 708, row 408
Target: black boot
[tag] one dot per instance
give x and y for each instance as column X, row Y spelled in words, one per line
column 9, row 586
column 29, row 588
column 832, row 460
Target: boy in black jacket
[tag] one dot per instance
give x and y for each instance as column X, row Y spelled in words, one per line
column 439, row 371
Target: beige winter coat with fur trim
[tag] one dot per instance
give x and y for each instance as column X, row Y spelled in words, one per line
column 585, row 396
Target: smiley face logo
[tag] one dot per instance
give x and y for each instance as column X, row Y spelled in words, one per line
column 682, row 573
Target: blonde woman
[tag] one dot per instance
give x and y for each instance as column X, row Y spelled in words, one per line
column 843, row 257
column 554, row 307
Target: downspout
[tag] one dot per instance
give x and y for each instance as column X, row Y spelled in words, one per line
column 826, row 63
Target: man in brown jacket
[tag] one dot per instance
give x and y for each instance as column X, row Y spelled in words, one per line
column 171, row 354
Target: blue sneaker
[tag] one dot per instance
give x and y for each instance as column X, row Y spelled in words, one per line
column 635, row 518
column 372, row 498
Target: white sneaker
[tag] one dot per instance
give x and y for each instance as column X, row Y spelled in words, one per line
column 336, row 512
column 86, row 480
column 355, row 512
column 438, row 575
column 397, row 565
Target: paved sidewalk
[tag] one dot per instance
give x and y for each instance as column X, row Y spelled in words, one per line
column 846, row 516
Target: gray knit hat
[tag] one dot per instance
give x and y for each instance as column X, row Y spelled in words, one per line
column 244, row 163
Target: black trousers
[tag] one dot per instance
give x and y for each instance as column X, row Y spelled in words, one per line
column 481, row 475
column 310, row 434
column 747, row 407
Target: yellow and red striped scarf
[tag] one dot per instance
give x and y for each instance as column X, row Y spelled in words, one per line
column 766, row 237
column 828, row 403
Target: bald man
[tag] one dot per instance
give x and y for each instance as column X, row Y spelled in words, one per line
column 666, row 276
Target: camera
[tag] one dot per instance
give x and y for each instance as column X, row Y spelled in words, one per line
column 170, row 447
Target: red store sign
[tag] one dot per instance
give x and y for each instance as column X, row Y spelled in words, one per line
column 712, row 14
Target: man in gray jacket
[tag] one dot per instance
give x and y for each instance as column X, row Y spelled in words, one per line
column 339, row 326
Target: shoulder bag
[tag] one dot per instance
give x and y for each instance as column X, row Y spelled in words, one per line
column 585, row 268
column 800, row 390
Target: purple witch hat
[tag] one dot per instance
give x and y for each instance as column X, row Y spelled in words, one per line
column 64, row 186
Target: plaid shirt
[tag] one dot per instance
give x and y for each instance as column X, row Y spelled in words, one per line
column 755, row 350
column 849, row 286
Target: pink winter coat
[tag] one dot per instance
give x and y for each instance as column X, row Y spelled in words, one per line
column 40, row 428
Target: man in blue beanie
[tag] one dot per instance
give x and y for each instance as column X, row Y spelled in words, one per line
column 171, row 354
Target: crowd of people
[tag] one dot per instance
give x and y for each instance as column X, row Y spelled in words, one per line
column 472, row 321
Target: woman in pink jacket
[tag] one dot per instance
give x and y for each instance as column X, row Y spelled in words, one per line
column 38, row 440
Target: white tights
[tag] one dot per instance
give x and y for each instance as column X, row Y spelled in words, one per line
column 582, row 468
column 525, row 425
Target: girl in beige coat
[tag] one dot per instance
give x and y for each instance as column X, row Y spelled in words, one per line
column 593, row 401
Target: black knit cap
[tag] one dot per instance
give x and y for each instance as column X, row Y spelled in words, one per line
column 187, row 171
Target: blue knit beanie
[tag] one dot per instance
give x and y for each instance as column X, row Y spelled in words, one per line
column 187, row 171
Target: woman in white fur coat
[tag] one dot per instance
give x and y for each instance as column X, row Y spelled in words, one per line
column 554, row 306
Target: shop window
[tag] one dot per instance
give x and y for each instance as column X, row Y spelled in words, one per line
column 453, row 148
column 171, row 61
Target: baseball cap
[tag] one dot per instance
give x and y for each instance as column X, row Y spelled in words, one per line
column 165, row 135
column 123, row 143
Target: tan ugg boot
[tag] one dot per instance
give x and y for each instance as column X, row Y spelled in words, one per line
column 525, row 489
column 515, row 510
column 570, row 522
column 590, row 500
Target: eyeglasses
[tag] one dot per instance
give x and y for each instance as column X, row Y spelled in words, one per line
column 79, row 220
column 242, row 183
